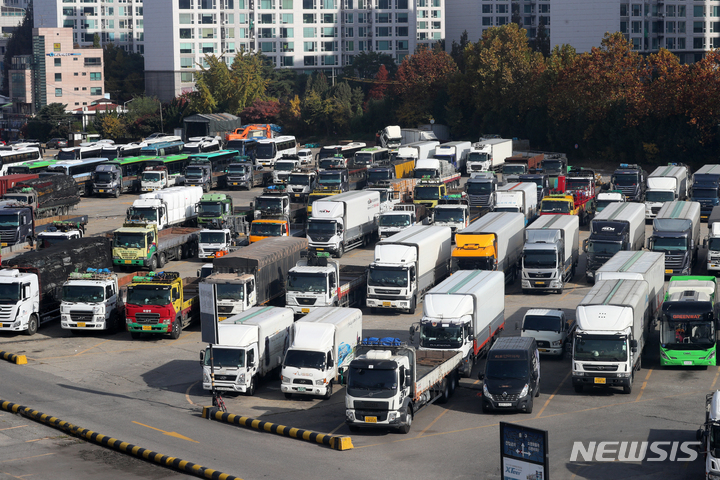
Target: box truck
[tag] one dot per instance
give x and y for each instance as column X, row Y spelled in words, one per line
column 455, row 153
column 517, row 197
column 665, row 184
column 705, row 188
column 322, row 345
column 407, row 265
column 676, row 232
column 464, row 313
column 551, row 252
column 488, row 154
column 171, row 207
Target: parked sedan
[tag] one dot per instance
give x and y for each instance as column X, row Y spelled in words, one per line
column 56, row 143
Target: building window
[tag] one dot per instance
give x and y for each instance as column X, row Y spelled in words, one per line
column 435, row 14
column 636, row 10
column 185, row 4
column 328, row 32
column 185, row 18
column 382, row 45
column 401, row 17
column 208, row 48
column 286, row 62
column 624, row 10
column 287, row 18
column 501, row 8
column 308, row 5
column 698, row 11
column 309, row 61
column 401, row 4
column 402, row 31
column 681, row 44
column 438, row 25
column 266, row 32
column 58, row 77
column 187, row 48
column 715, row 11
column 207, row 4
column 636, row 27
column 96, row 76
column 636, row 43
column 58, row 92
column 669, row 27
column 287, row 47
column 382, row 4
column 266, row 18
column 267, row 47
column 95, row 90
column 349, row 46
column 328, row 4
column 699, row 43
column 382, row 17
column 499, row 21
column 57, row 62
column 310, row 47
column 309, row 18
column 670, row 43
column 488, row 8
column 286, row 33
column 681, row 12
column 681, row 27
column 698, row 27
column 486, row 21
column 402, row 45
column 186, row 62
column 207, row 19
column 383, row 31
column 186, row 77
column 187, row 33
column 715, row 27
column 328, row 18
column 623, row 27
column 68, row 23
column 544, row 8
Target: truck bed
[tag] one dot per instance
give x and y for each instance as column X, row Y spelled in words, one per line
column 352, row 276
column 432, row 366
column 175, row 236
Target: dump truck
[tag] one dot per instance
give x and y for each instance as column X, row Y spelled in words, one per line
column 49, row 195
column 139, row 243
column 175, row 206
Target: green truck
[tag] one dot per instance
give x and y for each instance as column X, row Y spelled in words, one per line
column 214, row 209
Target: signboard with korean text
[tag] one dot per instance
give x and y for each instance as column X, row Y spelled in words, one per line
column 523, row 453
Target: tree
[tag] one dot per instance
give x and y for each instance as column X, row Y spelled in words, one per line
column 110, row 125
column 20, row 43
column 378, row 90
column 366, row 64
column 262, row 111
column 457, row 51
column 51, row 121
column 96, row 41
column 124, row 73
column 542, row 39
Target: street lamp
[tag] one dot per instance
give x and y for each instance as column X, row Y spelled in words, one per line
column 125, row 103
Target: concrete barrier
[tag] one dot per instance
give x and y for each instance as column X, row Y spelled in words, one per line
column 333, row 441
column 15, row 248
column 11, row 357
column 142, row 453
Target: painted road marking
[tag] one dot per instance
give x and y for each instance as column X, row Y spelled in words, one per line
column 715, row 379
column 336, row 428
column 170, row 434
column 642, row 389
column 88, row 349
column 187, row 393
column 547, row 402
column 11, row 428
column 432, row 423
column 25, row 458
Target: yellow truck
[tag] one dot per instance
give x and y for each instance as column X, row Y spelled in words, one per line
column 139, row 244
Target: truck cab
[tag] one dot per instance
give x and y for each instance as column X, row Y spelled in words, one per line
column 214, row 243
column 214, row 209
column 480, row 187
column 60, row 232
column 135, row 243
column 154, row 178
column 630, row 179
column 20, row 312
column 333, row 179
column 240, row 174
column 234, row 293
column 283, row 167
column 606, row 198
column 453, row 215
column 706, row 189
column 299, row 184
column 550, row 328
column 541, row 180
column 91, row 301
column 199, row 175
column 107, row 180
column 17, row 225
column 397, row 220
column 263, row 228
column 428, row 192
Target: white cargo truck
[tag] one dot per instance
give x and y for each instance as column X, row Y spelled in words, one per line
column 170, row 207
column 676, row 232
column 610, row 335
column 344, row 221
column 407, row 265
column 322, row 345
column 488, row 154
column 551, row 253
column 92, row 301
column 414, row 135
column 665, row 184
column 454, row 152
column 517, row 197
column 250, row 346
column 550, row 328
column 389, row 383
column 464, row 314
column 390, row 137
column 646, row 266
column 425, row 149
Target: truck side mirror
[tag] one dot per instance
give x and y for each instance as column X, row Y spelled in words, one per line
column 700, row 435
column 202, row 356
column 330, row 362
column 408, row 380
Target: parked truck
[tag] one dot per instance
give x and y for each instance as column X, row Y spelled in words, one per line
column 435, row 169
column 521, row 163
column 488, row 154
column 215, row 243
column 401, row 217
column 283, row 167
column 60, row 231
column 200, row 174
column 157, row 177
column 551, row 252
column 612, row 325
column 251, row 346
column 139, row 243
column 676, row 232
column 322, row 345
column 300, row 183
column 455, row 153
column 429, row 191
column 381, row 174
column 541, row 180
column 387, row 385
column 705, row 189
column 454, row 212
column 550, row 328
column 32, row 281
column 707, row 435
column 465, row 313
column 170, row 207
column 214, row 209
column 317, row 281
column 665, row 184
column 517, row 197
column 108, row 180
column 620, row 226
column 493, row 242
column 555, row 166
column 630, row 179
column 247, row 174
column 92, row 301
column 343, row 222
column 415, row 135
column 606, row 198
column 7, row 182
column 49, row 195
column 389, row 137
column 480, row 187
column 407, row 265
column 712, row 241
column 254, row 275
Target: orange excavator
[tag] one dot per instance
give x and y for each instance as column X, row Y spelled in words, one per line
column 255, row 130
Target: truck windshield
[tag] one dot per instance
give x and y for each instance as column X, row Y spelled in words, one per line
column 265, row 151
column 510, row 169
column 552, row 165
column 600, row 348
column 9, row 293
column 45, row 241
column 208, row 209
column 151, row 177
column 17, row 170
column 149, row 295
column 479, row 188
column 388, row 277
column 669, row 244
column 604, row 247
column 67, row 155
column 657, row 196
column 504, row 369
column 269, row 205
column 305, row 359
column 601, row 204
column 437, row 336
column 266, row 229
column 715, row 440
column 83, row 293
column 543, row 323
column 363, row 381
column 284, row 166
column 321, row 227
column 540, row 259
column 103, row 177
column 229, row 291
column 714, row 244
column 555, row 206
column 449, row 215
column 330, row 178
column 625, row 179
column 18, row 197
column 225, row 357
column 194, row 172
column 478, row 157
column 425, row 172
column 238, row 169
column 687, row 335
column 149, row 214
column 577, row 184
column 9, row 220
column 394, row 221
column 363, row 158
column 379, row 175
column 129, row 240
column 427, row 193
column 212, row 237
column 307, row 282
column 303, row 180
column 704, row 193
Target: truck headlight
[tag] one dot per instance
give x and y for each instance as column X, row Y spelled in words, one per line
column 349, row 416
column 285, row 379
column 557, row 343
column 241, row 378
column 486, row 392
column 590, row 274
column 319, row 382
column 392, row 416
column 206, row 378
column 525, row 390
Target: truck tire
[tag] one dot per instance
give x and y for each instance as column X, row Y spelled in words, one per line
column 176, row 330
column 445, row 395
column 413, row 306
column 340, row 251
column 32, row 325
column 329, row 391
column 405, row 429
column 162, row 260
column 251, row 391
column 529, row 408
column 627, row 389
column 178, row 253
column 29, row 241
column 117, row 193
column 153, row 263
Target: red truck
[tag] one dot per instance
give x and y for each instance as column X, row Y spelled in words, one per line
column 520, row 164
column 8, row 181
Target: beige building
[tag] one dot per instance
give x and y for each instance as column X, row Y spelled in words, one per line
column 56, row 72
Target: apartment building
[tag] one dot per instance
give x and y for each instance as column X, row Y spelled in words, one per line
column 306, row 35
column 688, row 28
column 114, row 21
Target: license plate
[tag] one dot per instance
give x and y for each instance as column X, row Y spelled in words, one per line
column 687, row 362
column 235, row 183
column 600, row 380
column 81, row 324
column 305, row 310
column 128, row 262
column 539, row 283
column 668, row 271
column 301, row 389
column 4, row 244
column 220, row 319
column 543, row 350
column 321, row 249
column 101, row 191
column 370, row 419
column 386, row 304
column 147, row 327
column 504, row 404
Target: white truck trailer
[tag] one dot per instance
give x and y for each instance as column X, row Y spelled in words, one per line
column 646, row 266
column 488, row 154
column 250, row 346
column 665, row 184
column 170, row 207
column 92, row 301
column 610, row 335
column 322, row 345
column 551, row 253
column 390, row 137
column 407, row 265
column 344, row 221
column 712, row 241
column 387, row 385
column 464, row 314
column 454, row 152
column 517, row 197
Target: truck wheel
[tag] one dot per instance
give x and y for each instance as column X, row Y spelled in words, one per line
column 29, row 241
column 578, row 388
column 627, row 389
column 117, row 193
column 559, row 291
column 445, row 395
column 32, row 325
column 340, row 251
column 453, row 382
column 162, row 260
column 329, row 391
column 405, row 429
column 413, row 306
column 178, row 253
column 153, row 263
column 175, row 333
column 251, row 391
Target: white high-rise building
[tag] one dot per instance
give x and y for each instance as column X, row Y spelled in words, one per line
column 306, row 35
column 119, row 22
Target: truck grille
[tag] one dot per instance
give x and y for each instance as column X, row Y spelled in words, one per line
column 505, row 398
column 369, row 405
column 674, row 261
column 543, row 344
column 227, row 378
column 380, row 415
column 302, row 381
column 600, row 368
column 79, row 316
column 147, row 318
column 655, row 210
column 539, row 275
column 7, row 235
column 225, row 308
column 387, row 292
column 306, row 301
column 127, row 255
column 479, row 200
column 5, row 312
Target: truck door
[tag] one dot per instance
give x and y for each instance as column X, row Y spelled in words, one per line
column 251, row 294
column 110, row 298
column 332, row 292
column 176, row 299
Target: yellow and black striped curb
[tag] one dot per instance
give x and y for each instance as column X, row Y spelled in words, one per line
column 124, row 447
column 11, row 357
column 333, row 441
